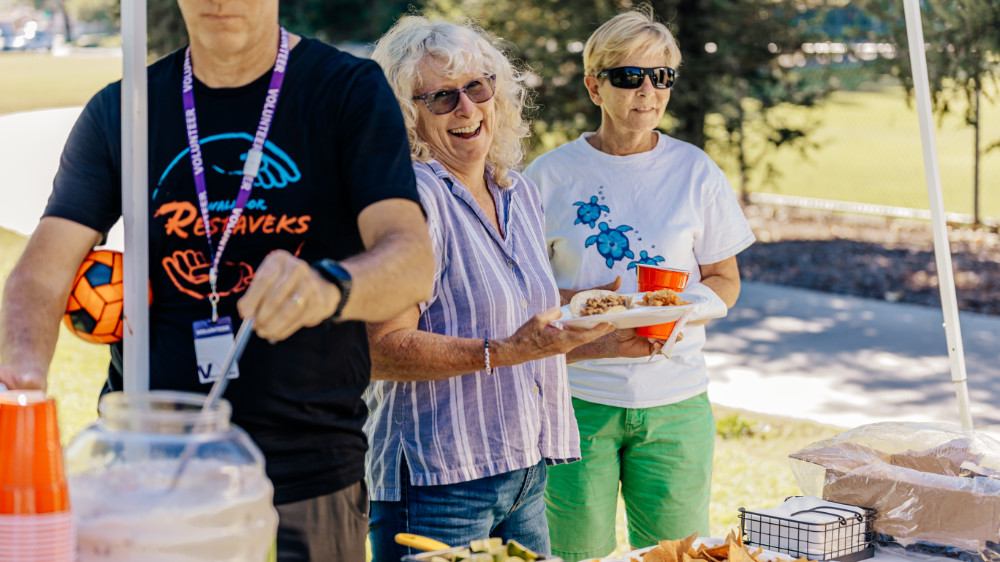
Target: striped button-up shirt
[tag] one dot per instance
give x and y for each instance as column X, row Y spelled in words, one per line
column 486, row 285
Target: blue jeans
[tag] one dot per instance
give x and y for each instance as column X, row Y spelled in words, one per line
column 508, row 505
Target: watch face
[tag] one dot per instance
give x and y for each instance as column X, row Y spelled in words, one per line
column 335, row 270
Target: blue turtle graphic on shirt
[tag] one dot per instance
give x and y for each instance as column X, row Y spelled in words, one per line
column 612, row 243
column 588, row 213
column 646, row 259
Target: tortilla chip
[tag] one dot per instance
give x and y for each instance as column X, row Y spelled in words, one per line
column 655, row 555
column 737, row 553
column 716, row 552
column 704, row 555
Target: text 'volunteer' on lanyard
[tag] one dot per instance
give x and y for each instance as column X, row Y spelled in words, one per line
column 250, row 167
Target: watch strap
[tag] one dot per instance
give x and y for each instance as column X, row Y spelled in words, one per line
column 332, row 271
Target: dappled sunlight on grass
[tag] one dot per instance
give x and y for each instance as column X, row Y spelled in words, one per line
column 751, row 466
column 754, row 472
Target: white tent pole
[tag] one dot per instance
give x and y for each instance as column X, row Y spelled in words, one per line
column 942, row 251
column 135, row 195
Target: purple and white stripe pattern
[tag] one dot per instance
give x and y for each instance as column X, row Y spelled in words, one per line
column 486, row 286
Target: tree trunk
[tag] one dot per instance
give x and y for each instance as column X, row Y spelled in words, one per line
column 741, row 147
column 975, row 167
column 61, row 5
column 691, row 28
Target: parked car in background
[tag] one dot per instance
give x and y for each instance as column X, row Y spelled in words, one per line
column 42, row 41
column 9, row 38
column 26, row 37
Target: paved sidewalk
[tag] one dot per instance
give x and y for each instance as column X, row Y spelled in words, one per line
column 30, row 146
column 848, row 361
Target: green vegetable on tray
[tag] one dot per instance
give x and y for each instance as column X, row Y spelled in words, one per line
column 489, row 550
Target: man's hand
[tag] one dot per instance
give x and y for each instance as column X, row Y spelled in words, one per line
column 286, row 295
column 19, row 378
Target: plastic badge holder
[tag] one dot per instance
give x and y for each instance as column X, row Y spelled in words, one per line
column 823, row 532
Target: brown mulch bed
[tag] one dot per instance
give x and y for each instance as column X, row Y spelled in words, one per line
column 875, row 257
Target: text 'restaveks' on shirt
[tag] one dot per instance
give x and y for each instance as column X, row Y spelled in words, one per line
column 337, row 144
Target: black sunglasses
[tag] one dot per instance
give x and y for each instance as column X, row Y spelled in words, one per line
column 631, row 77
column 445, row 101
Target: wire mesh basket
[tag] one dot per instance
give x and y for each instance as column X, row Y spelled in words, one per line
column 827, row 532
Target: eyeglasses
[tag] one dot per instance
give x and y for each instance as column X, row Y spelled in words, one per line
column 632, row 77
column 445, row 101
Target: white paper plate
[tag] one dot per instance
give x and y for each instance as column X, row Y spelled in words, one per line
column 636, row 317
column 765, row 555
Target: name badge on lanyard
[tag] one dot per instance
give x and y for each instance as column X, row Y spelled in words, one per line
column 213, row 337
column 212, row 341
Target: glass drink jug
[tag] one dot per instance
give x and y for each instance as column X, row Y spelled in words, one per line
column 127, row 503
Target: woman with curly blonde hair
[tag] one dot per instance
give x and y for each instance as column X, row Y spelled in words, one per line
column 469, row 400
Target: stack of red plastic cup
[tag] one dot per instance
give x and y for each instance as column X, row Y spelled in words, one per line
column 36, row 524
column 652, row 278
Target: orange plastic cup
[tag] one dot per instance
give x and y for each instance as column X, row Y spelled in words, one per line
column 32, row 479
column 653, row 278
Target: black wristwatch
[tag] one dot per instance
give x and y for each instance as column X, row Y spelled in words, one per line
column 332, row 271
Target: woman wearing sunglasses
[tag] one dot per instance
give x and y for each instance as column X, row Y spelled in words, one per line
column 624, row 195
column 469, row 399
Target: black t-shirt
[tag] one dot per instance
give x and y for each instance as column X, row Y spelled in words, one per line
column 337, row 144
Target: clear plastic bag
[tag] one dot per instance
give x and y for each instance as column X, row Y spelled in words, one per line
column 933, row 484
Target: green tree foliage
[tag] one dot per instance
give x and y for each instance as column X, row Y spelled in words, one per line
column 336, row 21
column 963, row 53
column 333, row 21
column 728, row 85
column 730, row 75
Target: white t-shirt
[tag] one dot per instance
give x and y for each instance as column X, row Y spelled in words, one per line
column 671, row 206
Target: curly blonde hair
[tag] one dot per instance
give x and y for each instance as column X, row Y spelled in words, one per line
column 634, row 31
column 456, row 48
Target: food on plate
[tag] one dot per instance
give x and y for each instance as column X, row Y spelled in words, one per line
column 682, row 550
column 598, row 301
column 662, row 297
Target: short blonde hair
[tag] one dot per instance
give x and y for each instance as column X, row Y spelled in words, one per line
column 456, row 48
column 634, row 31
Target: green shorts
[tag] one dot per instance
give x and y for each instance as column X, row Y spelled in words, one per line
column 663, row 458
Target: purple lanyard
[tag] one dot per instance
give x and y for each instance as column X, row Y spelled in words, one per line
column 250, row 167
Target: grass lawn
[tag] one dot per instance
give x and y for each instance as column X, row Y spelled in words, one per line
column 870, row 152
column 37, row 80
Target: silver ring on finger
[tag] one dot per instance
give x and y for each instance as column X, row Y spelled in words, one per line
column 298, row 300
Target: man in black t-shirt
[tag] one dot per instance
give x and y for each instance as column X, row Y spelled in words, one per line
column 331, row 235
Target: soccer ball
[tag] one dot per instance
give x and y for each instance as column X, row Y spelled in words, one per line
column 94, row 310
